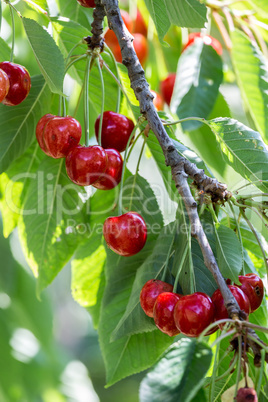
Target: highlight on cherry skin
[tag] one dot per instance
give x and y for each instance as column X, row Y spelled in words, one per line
column 149, row 293
column 87, row 3
column 4, row 85
column 85, row 165
column 116, row 130
column 112, row 175
column 125, row 234
column 19, row 83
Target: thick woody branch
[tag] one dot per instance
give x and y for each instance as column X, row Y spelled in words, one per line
column 181, row 167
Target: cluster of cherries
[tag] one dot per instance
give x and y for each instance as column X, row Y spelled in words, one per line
column 15, row 83
column 99, row 166
column 190, row 315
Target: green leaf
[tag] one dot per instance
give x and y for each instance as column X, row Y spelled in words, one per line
column 261, row 6
column 4, row 50
column 18, row 123
column 47, row 227
column 185, row 13
column 243, row 149
column 179, row 375
column 252, row 75
column 134, row 320
column 37, row 4
column 13, row 185
column 47, row 54
column 87, row 274
column 133, row 353
column 229, row 252
column 199, row 75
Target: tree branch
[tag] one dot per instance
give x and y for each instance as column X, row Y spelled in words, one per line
column 181, row 167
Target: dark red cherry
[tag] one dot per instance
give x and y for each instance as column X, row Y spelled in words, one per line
column 84, row 165
column 193, row 313
column 116, row 130
column 164, row 313
column 207, row 39
column 139, row 24
column 39, row 131
column 246, row 395
column 4, row 85
column 19, row 80
column 167, row 86
column 252, row 286
column 87, row 3
column 149, row 293
column 220, row 309
column 125, row 234
column 60, row 135
column 112, row 175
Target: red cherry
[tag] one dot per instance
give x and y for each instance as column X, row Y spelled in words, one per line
column 87, row 3
column 39, row 131
column 116, row 130
column 84, row 165
column 164, row 313
column 167, row 86
column 193, row 313
column 252, row 286
column 221, row 311
column 113, row 172
column 60, row 135
column 207, row 39
column 4, row 85
column 158, row 101
column 19, row 80
column 125, row 234
column 110, row 37
column 141, row 47
column 149, row 293
column 246, row 395
column 140, row 25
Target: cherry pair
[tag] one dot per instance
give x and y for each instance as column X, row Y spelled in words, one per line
column 15, row 83
column 191, row 314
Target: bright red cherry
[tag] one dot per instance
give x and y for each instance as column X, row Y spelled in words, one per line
column 220, row 309
column 60, row 135
column 84, row 165
column 39, row 131
column 112, row 175
column 193, row 313
column 164, row 313
column 149, row 293
column 20, row 83
column 110, row 37
column 125, row 234
column 167, row 86
column 207, row 39
column 4, row 85
column 158, row 101
column 140, row 25
column 246, row 395
column 116, row 130
column 141, row 47
column 87, row 3
column 252, row 286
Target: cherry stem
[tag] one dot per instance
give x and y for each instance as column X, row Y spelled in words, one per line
column 229, row 370
column 133, row 145
column 86, row 99
column 261, row 371
column 179, row 269
column 122, row 88
column 72, row 50
column 214, row 324
column 256, row 236
column 214, row 216
column 78, row 58
column 214, row 372
column 120, row 204
column 239, row 234
column 102, row 99
column 223, row 336
column 239, row 361
column 13, row 32
column 169, row 254
column 250, row 184
column 118, row 77
column 136, row 173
